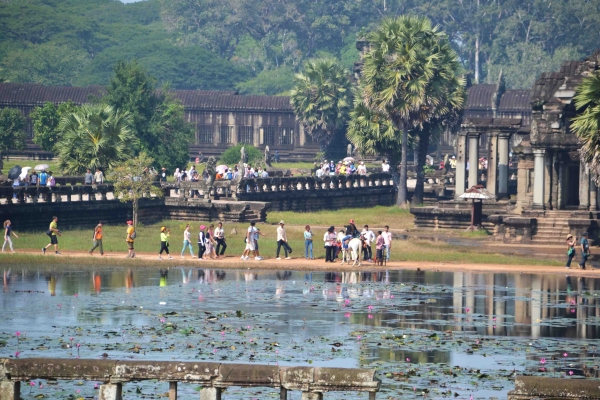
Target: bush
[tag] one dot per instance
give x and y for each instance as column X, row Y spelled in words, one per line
column 232, row 155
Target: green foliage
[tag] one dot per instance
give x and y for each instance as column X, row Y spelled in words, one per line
column 586, row 124
column 95, row 136
column 46, row 63
column 231, row 156
column 45, row 121
column 157, row 120
column 132, row 181
column 12, row 131
column 322, row 98
column 277, row 81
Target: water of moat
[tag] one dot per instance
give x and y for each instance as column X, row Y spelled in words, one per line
column 429, row 334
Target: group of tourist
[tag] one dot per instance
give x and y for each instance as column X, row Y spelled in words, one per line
column 27, row 178
column 211, row 242
column 584, row 247
column 347, row 167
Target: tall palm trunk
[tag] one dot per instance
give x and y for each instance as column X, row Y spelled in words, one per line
column 402, row 189
column 422, row 147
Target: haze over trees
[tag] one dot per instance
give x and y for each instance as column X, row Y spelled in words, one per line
column 256, row 46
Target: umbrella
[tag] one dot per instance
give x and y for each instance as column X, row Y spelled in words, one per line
column 14, row 172
column 349, row 159
column 221, row 168
column 41, row 167
column 24, row 172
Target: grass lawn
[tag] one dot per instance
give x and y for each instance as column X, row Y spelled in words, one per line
column 8, row 164
column 148, row 240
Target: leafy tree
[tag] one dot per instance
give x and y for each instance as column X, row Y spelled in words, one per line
column 586, row 124
column 132, row 181
column 410, row 76
column 157, row 120
column 45, row 121
column 47, row 63
column 277, row 81
column 95, row 136
column 322, row 98
column 231, row 156
column 12, row 132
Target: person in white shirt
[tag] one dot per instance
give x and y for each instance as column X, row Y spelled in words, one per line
column 369, row 238
column 385, row 167
column 319, row 172
column 387, row 241
column 250, row 240
column 362, row 169
column 187, row 241
column 220, row 238
column 99, row 177
column 282, row 241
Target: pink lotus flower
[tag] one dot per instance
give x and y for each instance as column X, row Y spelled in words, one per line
column 543, row 369
column 32, row 383
column 543, row 361
column 370, row 316
column 95, row 386
column 18, row 333
column 347, row 315
column 467, row 309
column 407, row 359
column 76, row 296
column 162, row 320
column 493, row 319
column 392, row 296
column 359, row 337
column 570, row 372
column 565, row 354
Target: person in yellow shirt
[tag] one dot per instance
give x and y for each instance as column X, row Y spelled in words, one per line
column 130, row 238
column 54, row 233
column 97, row 238
column 164, row 242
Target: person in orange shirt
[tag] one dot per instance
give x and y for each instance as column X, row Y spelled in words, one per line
column 97, row 238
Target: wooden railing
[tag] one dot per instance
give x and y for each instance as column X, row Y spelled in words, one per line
column 213, row 377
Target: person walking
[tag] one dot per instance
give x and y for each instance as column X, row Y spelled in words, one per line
column 250, row 240
column 282, row 241
column 164, row 242
column 53, row 232
column 570, row 250
column 201, row 242
column 585, row 249
column 387, row 239
column 330, row 239
column 97, row 240
column 369, row 239
column 187, row 241
column 130, row 239
column 220, row 238
column 98, row 177
column 88, row 178
column 308, row 242
column 210, row 243
column 7, row 232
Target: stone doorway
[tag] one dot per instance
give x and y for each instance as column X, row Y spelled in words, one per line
column 572, row 186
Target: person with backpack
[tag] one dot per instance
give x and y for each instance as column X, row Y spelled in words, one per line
column 97, row 239
column 131, row 235
column 53, row 232
column 43, row 178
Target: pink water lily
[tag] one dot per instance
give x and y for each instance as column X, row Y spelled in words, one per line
column 18, row 333
column 370, row 307
column 570, row 372
column 347, row 315
column 542, row 361
column 565, row 354
column 407, row 359
column 370, row 316
column 17, row 354
column 467, row 309
column 32, row 383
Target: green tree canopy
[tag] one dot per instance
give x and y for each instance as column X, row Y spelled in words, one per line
column 95, row 136
column 586, row 124
column 231, row 156
column 12, row 132
column 45, row 121
column 322, row 98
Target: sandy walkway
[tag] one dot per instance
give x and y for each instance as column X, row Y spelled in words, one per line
column 301, row 264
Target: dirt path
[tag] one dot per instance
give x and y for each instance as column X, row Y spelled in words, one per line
column 301, row 264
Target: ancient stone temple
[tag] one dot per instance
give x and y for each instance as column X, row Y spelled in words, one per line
column 221, row 118
column 529, row 145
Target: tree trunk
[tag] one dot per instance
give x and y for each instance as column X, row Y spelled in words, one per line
column 135, row 212
column 477, row 59
column 1, row 162
column 422, row 147
column 402, row 190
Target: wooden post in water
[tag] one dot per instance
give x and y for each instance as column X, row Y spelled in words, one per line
column 110, row 391
column 283, row 394
column 172, row 390
column 312, row 396
column 10, row 390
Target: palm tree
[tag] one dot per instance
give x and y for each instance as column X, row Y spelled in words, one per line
column 95, row 136
column 586, row 124
column 321, row 99
column 409, row 75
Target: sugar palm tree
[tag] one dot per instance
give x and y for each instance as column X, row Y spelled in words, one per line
column 321, row 99
column 586, row 124
column 95, row 136
column 409, row 75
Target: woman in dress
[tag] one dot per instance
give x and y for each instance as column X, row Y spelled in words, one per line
column 210, row 243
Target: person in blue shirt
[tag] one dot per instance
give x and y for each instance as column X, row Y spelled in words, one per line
column 585, row 250
column 43, row 178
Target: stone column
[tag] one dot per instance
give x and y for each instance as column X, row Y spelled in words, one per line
column 10, row 390
column 503, row 153
column 593, row 196
column 110, row 391
column 473, row 159
column 548, row 200
column 538, row 178
column 312, row 396
column 459, row 177
column 584, row 186
column 172, row 390
column 490, row 183
column 210, row 393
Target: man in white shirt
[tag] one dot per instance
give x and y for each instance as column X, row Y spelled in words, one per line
column 387, row 241
column 362, row 169
column 385, row 167
column 250, row 242
column 319, row 172
column 282, row 241
column 369, row 238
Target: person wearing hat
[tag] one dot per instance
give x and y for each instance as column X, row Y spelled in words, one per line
column 570, row 250
column 585, row 249
column 351, row 232
column 330, row 238
column 362, row 169
column 164, row 242
column 129, row 239
column 282, row 241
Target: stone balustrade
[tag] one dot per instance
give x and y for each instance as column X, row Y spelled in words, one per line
column 55, row 194
column 213, row 377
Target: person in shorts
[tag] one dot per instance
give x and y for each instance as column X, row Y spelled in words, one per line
column 54, row 234
column 130, row 239
column 250, row 240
